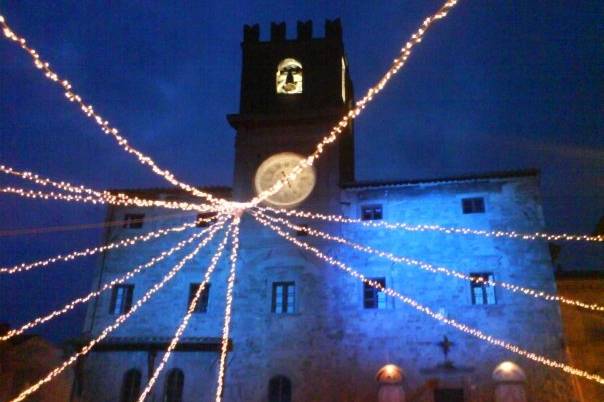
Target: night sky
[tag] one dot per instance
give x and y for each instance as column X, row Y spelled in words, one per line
column 498, row 85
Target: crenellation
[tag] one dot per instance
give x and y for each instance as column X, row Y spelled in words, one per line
column 304, row 30
column 251, row 33
column 278, row 32
column 333, row 29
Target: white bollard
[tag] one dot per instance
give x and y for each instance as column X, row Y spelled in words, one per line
column 510, row 381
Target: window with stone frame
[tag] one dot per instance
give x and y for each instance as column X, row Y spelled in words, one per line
column 279, row 389
column 174, row 386
column 283, row 297
column 121, row 299
column 473, row 205
column 371, row 212
column 374, row 298
column 482, row 291
column 133, row 221
column 131, row 385
column 204, row 298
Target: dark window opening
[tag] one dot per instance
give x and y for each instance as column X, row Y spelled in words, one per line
column 472, row 205
column 279, row 389
column 134, row 221
column 202, row 302
column 174, row 385
column 482, row 291
column 205, row 219
column 372, row 297
column 284, row 297
column 121, row 299
column 371, row 212
column 131, row 386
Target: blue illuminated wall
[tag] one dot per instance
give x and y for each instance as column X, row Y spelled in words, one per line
column 330, row 347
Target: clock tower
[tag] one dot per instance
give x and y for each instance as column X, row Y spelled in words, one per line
column 293, row 91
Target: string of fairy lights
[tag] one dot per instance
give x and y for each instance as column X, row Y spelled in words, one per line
column 108, row 285
column 536, row 293
column 435, row 228
column 89, row 199
column 268, row 217
column 105, row 196
column 104, row 124
column 220, row 204
column 119, row 320
column 360, row 105
column 228, row 309
column 131, row 241
column 429, row 312
column 83, row 226
column 185, row 321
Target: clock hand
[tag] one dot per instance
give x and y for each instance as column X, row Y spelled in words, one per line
column 286, row 179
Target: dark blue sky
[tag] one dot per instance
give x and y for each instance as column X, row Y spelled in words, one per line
column 498, row 85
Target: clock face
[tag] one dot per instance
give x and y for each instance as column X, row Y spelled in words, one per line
column 278, row 167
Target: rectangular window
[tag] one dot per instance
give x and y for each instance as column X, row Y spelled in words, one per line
column 284, row 297
column 206, row 219
column 372, row 297
column 371, row 212
column 202, row 303
column 482, row 291
column 472, row 205
column 121, row 299
column 133, row 221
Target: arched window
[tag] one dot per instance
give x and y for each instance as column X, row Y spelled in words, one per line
column 174, row 385
column 279, row 389
column 289, row 77
column 131, row 386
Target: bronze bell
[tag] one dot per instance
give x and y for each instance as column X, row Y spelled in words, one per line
column 290, row 77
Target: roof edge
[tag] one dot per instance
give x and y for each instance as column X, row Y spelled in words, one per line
column 450, row 179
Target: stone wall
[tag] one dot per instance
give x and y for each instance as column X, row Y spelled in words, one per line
column 331, row 347
column 584, row 331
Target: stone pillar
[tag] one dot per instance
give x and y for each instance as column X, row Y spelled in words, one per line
column 510, row 383
column 390, row 379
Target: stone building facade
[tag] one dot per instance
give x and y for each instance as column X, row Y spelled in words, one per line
column 302, row 330
column 584, row 331
column 26, row 358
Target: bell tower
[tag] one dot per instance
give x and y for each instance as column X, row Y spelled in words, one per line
column 292, row 92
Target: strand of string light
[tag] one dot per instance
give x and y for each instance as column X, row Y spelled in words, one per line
column 121, row 198
column 185, row 321
column 536, row 293
column 109, row 285
column 118, row 322
column 104, row 124
column 91, row 251
column 437, row 228
column 88, row 199
column 228, row 309
column 83, row 226
column 397, row 64
column 437, row 316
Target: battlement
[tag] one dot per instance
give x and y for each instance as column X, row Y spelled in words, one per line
column 333, row 31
